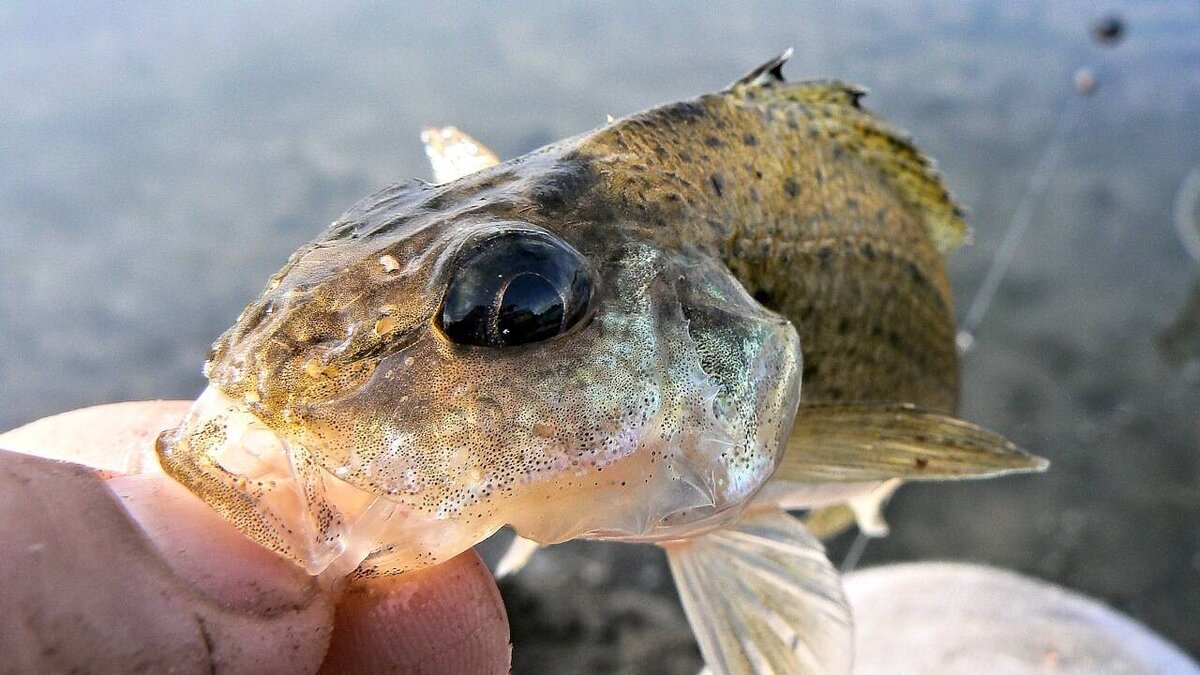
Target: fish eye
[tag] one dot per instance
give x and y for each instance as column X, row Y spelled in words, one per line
column 515, row 288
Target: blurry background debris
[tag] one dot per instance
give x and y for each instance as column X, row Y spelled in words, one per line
column 1180, row 342
column 1109, row 30
column 161, row 161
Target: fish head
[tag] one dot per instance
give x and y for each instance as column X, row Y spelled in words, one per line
column 510, row 349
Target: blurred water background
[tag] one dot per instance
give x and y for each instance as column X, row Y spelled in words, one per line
column 158, row 161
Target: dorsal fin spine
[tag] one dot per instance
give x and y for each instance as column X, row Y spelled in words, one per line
column 768, row 73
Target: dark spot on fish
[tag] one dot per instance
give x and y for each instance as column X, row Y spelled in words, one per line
column 719, row 123
column 837, row 151
column 868, row 251
column 685, row 156
column 825, row 254
column 758, row 174
column 881, row 216
column 750, row 139
column 843, row 327
column 791, row 123
column 660, row 152
column 673, row 197
column 917, row 276
column 686, row 110
column 718, row 184
column 819, row 175
column 851, row 203
column 790, row 187
column 712, row 141
column 650, row 122
column 569, row 182
column 921, row 463
column 893, row 339
column 753, row 194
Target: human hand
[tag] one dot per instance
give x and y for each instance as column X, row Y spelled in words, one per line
column 109, row 565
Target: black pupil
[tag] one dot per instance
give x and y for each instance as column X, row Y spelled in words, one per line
column 531, row 311
column 515, row 288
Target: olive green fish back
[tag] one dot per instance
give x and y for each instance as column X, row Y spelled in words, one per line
column 822, row 211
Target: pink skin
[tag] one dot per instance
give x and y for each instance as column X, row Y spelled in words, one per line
column 115, row 572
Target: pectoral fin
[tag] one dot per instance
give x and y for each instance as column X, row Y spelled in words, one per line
column 454, row 154
column 871, row 442
column 762, row 598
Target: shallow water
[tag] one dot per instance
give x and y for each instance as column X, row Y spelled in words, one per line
column 157, row 164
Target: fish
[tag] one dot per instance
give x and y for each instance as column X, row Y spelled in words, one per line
column 676, row 329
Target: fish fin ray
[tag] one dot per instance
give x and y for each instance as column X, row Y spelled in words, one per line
column 867, row 442
column 767, row 74
column 454, row 154
column 762, row 597
column 519, row 552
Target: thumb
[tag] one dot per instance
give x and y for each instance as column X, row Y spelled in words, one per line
column 85, row 589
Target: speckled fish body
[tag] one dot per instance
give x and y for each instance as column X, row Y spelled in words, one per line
column 823, row 215
column 729, row 253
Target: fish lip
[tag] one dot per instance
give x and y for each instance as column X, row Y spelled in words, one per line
column 215, row 406
column 248, row 472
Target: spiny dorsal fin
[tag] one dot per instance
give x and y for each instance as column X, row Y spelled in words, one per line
column 767, row 74
column 834, row 108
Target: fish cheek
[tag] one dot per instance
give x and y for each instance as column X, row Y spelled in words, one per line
column 753, row 357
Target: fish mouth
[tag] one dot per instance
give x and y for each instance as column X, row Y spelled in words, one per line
column 272, row 489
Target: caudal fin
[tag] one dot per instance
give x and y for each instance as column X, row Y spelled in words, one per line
column 762, row 598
